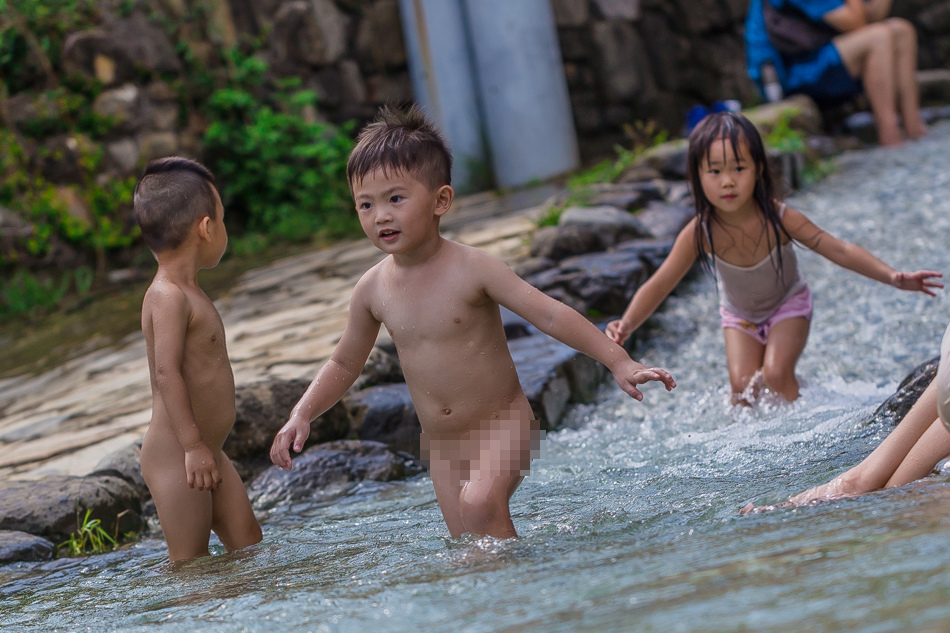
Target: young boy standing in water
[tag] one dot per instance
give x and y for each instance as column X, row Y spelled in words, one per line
column 439, row 302
column 194, row 485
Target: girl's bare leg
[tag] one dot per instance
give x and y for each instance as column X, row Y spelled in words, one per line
column 744, row 356
column 869, row 53
column 785, row 346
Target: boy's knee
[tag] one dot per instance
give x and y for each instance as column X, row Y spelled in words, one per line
column 880, row 34
column 480, row 511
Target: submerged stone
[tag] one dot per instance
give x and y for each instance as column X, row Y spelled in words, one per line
column 325, row 471
column 20, row 546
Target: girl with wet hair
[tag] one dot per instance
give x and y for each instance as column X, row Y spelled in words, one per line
column 745, row 237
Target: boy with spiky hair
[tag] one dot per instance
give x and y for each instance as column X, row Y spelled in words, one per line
column 439, row 301
column 195, row 487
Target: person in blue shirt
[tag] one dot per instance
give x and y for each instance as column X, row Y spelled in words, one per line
column 872, row 52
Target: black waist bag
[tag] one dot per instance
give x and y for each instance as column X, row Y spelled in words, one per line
column 792, row 32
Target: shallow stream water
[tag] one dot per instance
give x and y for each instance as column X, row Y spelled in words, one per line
column 630, row 520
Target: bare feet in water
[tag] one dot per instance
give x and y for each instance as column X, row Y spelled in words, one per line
column 834, row 489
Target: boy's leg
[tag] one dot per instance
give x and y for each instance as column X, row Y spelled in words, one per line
column 184, row 513
column 502, row 448
column 744, row 356
column 484, row 506
column 445, row 463
column 232, row 518
column 908, row 93
column 784, row 347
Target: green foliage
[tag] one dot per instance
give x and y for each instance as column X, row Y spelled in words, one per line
column 641, row 136
column 783, row 137
column 89, row 538
column 283, row 173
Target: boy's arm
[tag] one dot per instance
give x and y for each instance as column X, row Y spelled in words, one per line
column 169, row 321
column 332, row 380
column 652, row 293
column 566, row 325
column 854, row 257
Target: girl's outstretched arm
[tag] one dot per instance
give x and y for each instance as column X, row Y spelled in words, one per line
column 652, row 293
column 854, row 257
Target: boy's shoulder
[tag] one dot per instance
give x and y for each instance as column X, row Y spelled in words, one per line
column 164, row 294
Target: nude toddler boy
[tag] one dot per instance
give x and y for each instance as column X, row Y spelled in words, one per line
column 439, row 302
column 195, row 487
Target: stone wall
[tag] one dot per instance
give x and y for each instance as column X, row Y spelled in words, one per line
column 625, row 61
column 629, row 60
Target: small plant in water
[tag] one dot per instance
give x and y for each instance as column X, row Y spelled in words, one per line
column 90, row 538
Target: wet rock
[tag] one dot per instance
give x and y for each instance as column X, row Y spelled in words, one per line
column 639, row 173
column 20, row 546
column 667, row 158
column 611, row 224
column 664, row 221
column 381, row 367
column 325, row 471
column 126, row 464
column 557, row 242
column 599, row 283
column 652, row 252
column 799, row 111
column 533, row 265
column 628, row 196
column 51, row 507
column 553, row 375
column 893, row 410
column 385, row 414
column 263, row 408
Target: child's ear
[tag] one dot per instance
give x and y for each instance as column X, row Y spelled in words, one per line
column 204, row 228
column 443, row 199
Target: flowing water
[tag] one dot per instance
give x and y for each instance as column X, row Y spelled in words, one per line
column 630, row 519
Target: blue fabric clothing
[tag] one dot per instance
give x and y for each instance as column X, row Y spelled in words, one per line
column 820, row 74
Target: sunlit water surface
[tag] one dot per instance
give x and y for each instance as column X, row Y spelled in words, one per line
column 630, row 519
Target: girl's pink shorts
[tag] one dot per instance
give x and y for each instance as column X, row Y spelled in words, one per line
column 798, row 305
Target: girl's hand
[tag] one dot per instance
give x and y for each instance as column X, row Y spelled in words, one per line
column 632, row 373
column 920, row 281
column 618, row 332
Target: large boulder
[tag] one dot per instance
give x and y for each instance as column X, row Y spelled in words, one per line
column 610, row 223
column 125, row 463
column 263, row 408
column 311, row 33
column 628, row 196
column 553, row 375
column 328, row 470
column 558, row 242
column 893, row 410
column 53, row 507
column 20, row 546
column 385, row 414
column 599, row 284
column 664, row 221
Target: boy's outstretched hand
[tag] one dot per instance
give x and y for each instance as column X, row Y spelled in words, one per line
column 632, row 373
column 920, row 281
column 294, row 433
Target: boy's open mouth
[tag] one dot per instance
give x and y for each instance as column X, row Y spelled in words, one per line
column 388, row 233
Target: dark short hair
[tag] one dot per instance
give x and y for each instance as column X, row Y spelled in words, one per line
column 170, row 197
column 403, row 141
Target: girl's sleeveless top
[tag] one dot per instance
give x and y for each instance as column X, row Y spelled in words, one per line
column 755, row 293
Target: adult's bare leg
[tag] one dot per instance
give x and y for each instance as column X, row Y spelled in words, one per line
column 905, row 70
column 868, row 53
